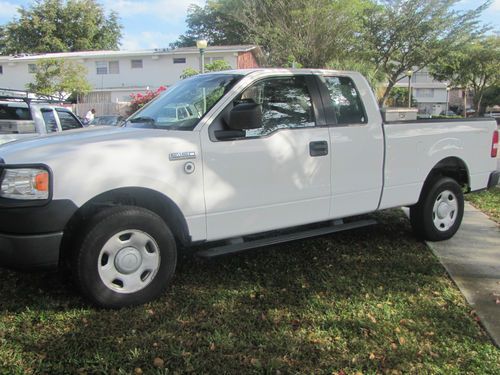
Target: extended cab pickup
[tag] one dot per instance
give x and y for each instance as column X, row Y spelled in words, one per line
column 265, row 154
column 20, row 119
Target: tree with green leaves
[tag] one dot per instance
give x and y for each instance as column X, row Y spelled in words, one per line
column 60, row 26
column 59, row 78
column 401, row 35
column 216, row 66
column 474, row 66
column 214, row 24
column 309, row 33
column 374, row 77
column 491, row 98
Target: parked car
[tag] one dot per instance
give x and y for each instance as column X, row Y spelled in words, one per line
column 20, row 119
column 270, row 156
column 495, row 115
column 448, row 113
column 107, row 121
column 177, row 112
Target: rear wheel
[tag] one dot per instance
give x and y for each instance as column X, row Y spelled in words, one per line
column 438, row 214
column 127, row 256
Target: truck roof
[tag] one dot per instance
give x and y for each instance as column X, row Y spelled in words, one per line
column 283, row 70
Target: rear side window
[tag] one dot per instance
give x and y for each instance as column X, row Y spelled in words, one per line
column 50, row 120
column 14, row 112
column 67, row 120
column 346, row 101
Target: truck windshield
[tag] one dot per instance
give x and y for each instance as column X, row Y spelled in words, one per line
column 183, row 105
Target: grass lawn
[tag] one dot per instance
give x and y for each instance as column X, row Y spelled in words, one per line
column 371, row 301
column 488, row 202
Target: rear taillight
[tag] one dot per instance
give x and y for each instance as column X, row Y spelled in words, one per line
column 494, row 144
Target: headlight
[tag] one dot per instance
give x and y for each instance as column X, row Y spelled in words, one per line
column 25, row 183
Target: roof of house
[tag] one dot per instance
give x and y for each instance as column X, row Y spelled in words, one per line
column 148, row 52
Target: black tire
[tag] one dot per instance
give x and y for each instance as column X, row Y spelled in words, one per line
column 91, row 258
column 423, row 215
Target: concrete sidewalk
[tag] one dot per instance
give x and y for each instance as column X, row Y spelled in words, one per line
column 472, row 258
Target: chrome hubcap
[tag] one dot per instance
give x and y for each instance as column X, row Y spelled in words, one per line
column 129, row 261
column 444, row 212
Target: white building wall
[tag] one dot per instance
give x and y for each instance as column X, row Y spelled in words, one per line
column 157, row 70
column 14, row 76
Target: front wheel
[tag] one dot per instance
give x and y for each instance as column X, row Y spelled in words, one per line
column 127, row 256
column 439, row 212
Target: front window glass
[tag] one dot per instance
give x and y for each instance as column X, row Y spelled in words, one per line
column 184, row 104
column 286, row 104
column 67, row 120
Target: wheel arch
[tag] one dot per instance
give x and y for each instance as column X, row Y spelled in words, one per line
column 146, row 198
column 452, row 167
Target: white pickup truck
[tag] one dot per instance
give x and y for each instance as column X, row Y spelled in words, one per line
column 22, row 119
column 271, row 156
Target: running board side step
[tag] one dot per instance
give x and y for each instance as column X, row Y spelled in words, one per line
column 243, row 246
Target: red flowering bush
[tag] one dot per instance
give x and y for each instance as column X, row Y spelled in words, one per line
column 140, row 100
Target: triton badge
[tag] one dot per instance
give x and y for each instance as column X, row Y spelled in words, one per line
column 182, row 155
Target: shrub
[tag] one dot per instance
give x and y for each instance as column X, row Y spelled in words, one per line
column 139, row 100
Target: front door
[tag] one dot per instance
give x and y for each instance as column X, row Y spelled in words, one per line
column 275, row 176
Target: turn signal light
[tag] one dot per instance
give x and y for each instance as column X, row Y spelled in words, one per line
column 42, row 181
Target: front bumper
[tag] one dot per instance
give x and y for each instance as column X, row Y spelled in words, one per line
column 494, row 179
column 30, row 251
column 30, row 237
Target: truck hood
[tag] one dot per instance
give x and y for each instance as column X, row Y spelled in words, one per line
column 87, row 142
column 6, row 138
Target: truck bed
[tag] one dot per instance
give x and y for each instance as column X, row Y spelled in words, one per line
column 414, row 147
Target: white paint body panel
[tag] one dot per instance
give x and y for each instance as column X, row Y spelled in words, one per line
column 414, row 149
column 357, row 154
column 88, row 162
column 257, row 185
column 249, row 186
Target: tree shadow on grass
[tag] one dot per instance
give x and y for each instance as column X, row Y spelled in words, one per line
column 372, row 299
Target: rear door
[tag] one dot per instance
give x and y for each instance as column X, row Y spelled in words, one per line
column 275, row 176
column 357, row 145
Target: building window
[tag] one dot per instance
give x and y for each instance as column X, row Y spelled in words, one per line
column 179, row 60
column 212, row 59
column 101, row 67
column 136, row 64
column 1, row 69
column 114, row 67
column 424, row 93
column 107, row 67
column 31, row 68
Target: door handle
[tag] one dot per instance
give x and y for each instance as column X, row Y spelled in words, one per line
column 318, row 148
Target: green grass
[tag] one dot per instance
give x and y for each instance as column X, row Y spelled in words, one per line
column 372, row 301
column 488, row 202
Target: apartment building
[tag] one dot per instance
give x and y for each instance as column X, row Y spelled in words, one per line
column 431, row 95
column 114, row 75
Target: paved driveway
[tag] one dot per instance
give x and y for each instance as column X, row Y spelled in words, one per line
column 472, row 258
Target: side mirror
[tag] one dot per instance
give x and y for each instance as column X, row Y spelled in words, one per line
column 245, row 116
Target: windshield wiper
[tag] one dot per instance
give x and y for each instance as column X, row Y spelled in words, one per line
column 143, row 119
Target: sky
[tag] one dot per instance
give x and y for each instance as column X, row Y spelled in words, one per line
column 157, row 23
